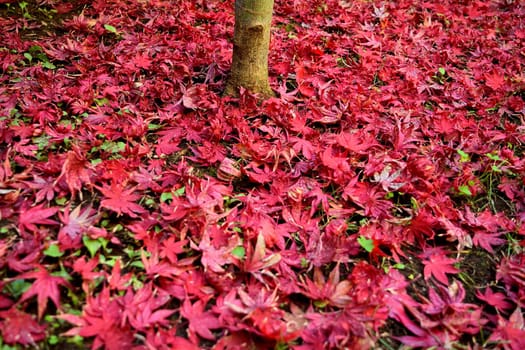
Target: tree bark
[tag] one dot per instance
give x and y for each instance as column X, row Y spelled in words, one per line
column 251, row 42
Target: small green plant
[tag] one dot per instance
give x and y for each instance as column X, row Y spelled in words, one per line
column 441, row 76
column 25, row 11
column 239, row 252
column 94, row 245
column 36, row 54
column 111, row 29
column 53, row 251
column 17, row 287
column 464, row 190
column 366, row 244
column 491, row 178
column 464, row 157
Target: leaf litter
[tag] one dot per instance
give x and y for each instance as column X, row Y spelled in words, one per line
column 377, row 202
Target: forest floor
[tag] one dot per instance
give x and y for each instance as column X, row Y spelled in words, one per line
column 377, row 202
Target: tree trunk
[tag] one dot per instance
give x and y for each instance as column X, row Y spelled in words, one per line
column 251, row 41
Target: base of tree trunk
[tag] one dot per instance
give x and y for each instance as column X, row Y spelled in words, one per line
column 233, row 87
column 251, row 41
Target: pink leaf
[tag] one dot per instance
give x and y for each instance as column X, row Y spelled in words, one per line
column 497, row 300
column 18, row 327
column 38, row 215
column 121, row 200
column 201, row 321
column 44, row 287
column 494, row 80
column 438, row 265
column 76, row 170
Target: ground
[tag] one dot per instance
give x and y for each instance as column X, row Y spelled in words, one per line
column 375, row 202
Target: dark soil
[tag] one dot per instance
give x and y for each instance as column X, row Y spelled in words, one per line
column 37, row 20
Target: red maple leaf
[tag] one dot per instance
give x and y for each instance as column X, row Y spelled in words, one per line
column 37, row 215
column 368, row 197
column 256, row 258
column 331, row 291
column 497, row 300
column 511, row 331
column 262, row 308
column 23, row 256
column 488, row 228
column 76, row 223
column 17, row 327
column 154, row 267
column 102, row 319
column 215, row 256
column 44, row 187
column 494, row 80
column 171, row 247
column 303, row 146
column 208, row 152
column 166, row 339
column 201, row 322
column 511, row 271
column 442, row 318
column 121, row 200
column 141, row 308
column 168, row 141
column 258, row 174
column 357, row 142
column 86, row 268
column 75, row 170
column 488, row 240
column 455, row 232
column 116, row 280
column 438, row 265
column 44, row 287
column 332, row 160
column 141, row 60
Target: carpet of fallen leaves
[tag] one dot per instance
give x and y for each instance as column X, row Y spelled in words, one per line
column 377, row 202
